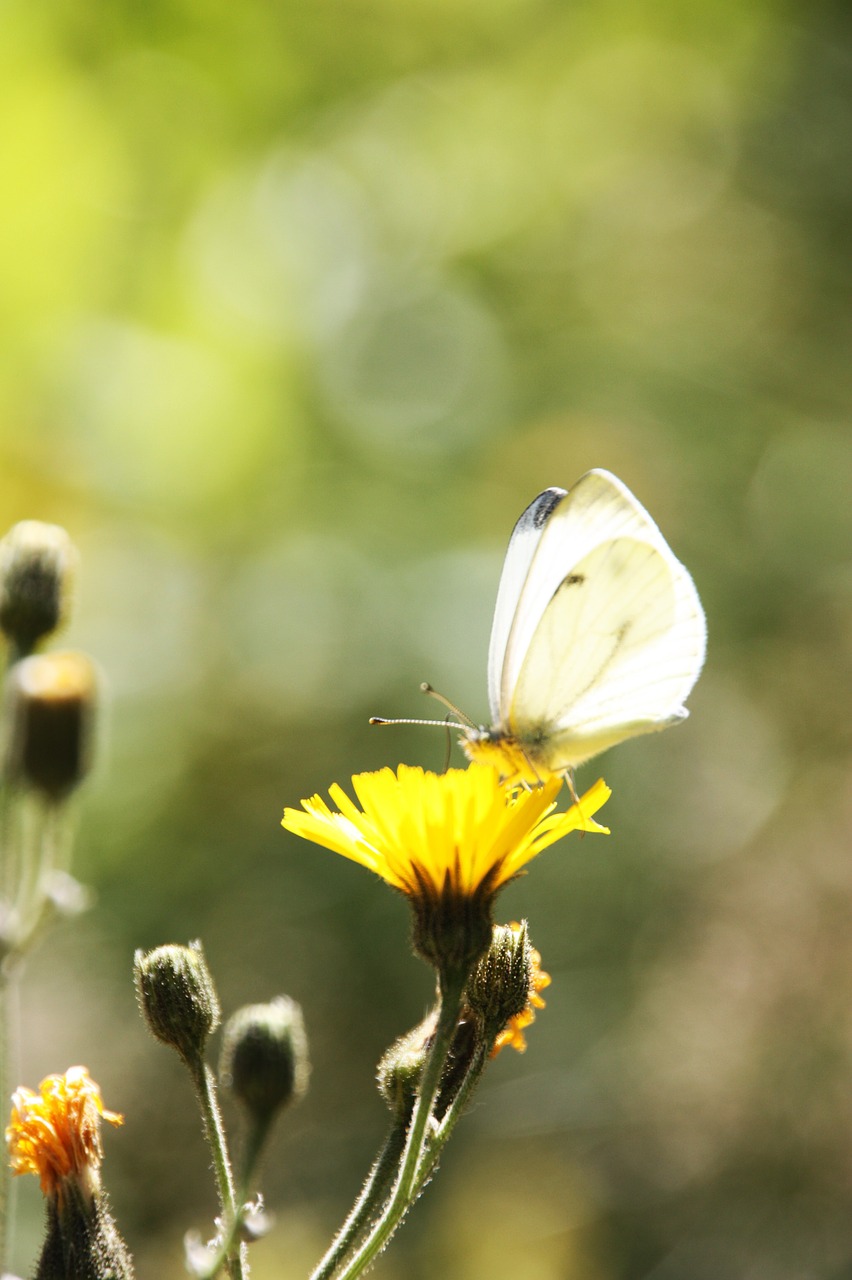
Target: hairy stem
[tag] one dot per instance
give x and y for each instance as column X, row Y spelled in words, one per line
column 366, row 1208
column 205, row 1088
column 404, row 1191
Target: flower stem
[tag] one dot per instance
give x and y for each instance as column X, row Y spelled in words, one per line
column 11, row 869
column 403, row 1193
column 366, row 1207
column 5, row 1179
column 231, row 1229
column 452, row 1115
column 205, row 1088
column 5, row 881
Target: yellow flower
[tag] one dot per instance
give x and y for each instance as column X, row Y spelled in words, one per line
column 424, row 831
column 448, row 841
column 513, row 1032
column 55, row 1133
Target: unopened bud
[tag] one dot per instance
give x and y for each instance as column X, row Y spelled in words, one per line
column 499, row 987
column 506, row 986
column 400, row 1070
column 401, row 1067
column 177, row 997
column 51, row 711
column 36, row 565
column 265, row 1056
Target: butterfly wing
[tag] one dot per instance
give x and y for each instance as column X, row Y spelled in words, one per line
column 608, row 634
column 522, row 546
column 616, row 652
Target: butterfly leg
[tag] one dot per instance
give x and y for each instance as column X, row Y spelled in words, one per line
column 568, row 775
column 539, row 779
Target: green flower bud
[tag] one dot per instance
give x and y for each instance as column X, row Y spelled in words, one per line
column 459, row 1060
column 264, row 1058
column 177, row 997
column 401, row 1066
column 36, row 566
column 505, row 987
column 51, row 711
column 499, row 987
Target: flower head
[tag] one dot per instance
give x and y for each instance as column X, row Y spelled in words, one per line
column 448, row 841
column 264, row 1060
column 36, row 567
column 52, row 699
column 513, row 1032
column 177, row 997
column 55, row 1133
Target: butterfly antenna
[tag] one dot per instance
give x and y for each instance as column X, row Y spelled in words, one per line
column 463, row 719
column 449, row 751
column 437, row 724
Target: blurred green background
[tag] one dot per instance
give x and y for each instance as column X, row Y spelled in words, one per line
column 300, row 306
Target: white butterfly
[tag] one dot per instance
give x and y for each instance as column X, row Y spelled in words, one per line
column 598, row 633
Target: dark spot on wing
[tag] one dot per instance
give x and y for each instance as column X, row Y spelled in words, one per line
column 572, row 580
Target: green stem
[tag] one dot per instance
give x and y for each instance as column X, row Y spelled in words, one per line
column 9, row 855
column 219, row 1257
column 254, row 1146
column 452, row 1115
column 35, row 845
column 5, row 1179
column 6, row 841
column 33, row 837
column 40, row 844
column 402, row 1195
column 28, row 849
column 365, row 1209
column 205, row 1088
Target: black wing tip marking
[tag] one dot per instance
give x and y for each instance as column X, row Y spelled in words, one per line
column 541, row 509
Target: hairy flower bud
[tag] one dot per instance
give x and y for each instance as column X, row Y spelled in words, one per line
column 505, row 988
column 499, row 987
column 264, row 1058
column 177, row 997
column 401, row 1066
column 51, row 701
column 36, row 564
